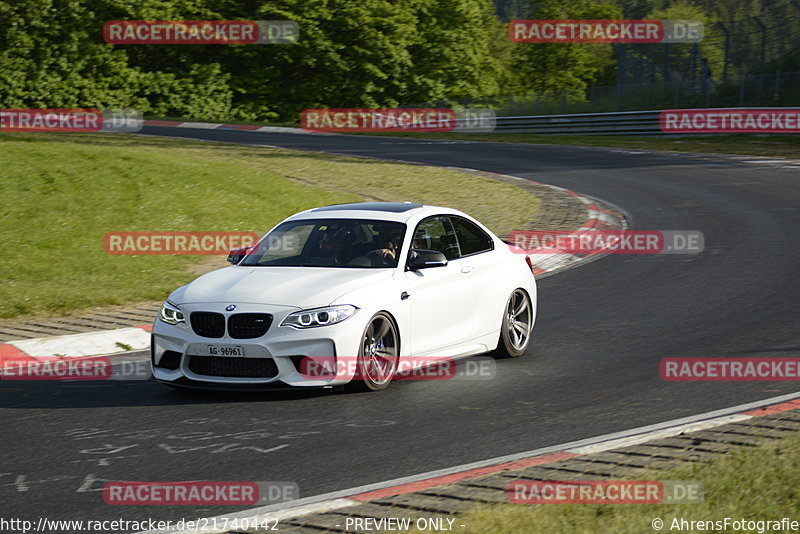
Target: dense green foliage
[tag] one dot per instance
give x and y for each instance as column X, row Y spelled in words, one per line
column 351, row 53
column 52, row 55
column 564, row 66
column 363, row 53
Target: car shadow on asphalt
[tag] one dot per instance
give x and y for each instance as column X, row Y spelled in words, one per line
column 51, row 394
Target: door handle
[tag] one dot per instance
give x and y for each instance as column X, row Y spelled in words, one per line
column 466, row 269
column 404, row 295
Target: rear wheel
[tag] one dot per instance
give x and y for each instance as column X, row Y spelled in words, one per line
column 378, row 354
column 515, row 332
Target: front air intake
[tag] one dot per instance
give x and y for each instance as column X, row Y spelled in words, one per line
column 169, row 360
column 248, row 325
column 208, row 324
column 233, row 367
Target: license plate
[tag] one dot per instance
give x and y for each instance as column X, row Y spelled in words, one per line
column 225, row 350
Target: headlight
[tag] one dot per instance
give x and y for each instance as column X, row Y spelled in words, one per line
column 319, row 316
column 171, row 314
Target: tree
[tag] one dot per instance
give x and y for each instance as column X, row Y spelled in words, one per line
column 351, row 53
column 544, row 67
column 680, row 55
column 453, row 51
column 372, row 53
column 52, row 55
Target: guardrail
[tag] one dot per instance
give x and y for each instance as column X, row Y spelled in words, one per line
column 780, row 120
column 616, row 123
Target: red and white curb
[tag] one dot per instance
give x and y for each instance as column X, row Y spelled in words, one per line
column 343, row 499
column 598, row 218
column 217, row 126
column 90, row 344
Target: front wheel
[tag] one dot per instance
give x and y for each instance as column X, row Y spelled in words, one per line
column 515, row 332
column 378, row 354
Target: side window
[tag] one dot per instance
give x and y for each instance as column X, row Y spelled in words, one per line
column 471, row 238
column 437, row 233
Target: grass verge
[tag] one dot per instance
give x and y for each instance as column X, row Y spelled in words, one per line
column 61, row 193
column 783, row 146
column 755, row 484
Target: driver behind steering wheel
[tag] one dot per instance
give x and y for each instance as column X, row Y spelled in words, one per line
column 388, row 240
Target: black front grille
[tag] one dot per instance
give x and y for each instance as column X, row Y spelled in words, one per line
column 233, row 366
column 208, row 324
column 169, row 360
column 248, row 325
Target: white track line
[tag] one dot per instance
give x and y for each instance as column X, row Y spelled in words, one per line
column 337, row 500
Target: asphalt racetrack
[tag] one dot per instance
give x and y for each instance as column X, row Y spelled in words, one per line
column 592, row 367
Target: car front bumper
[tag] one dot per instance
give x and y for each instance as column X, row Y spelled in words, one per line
column 180, row 357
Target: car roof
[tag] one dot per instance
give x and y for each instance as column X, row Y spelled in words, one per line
column 393, row 207
column 382, row 211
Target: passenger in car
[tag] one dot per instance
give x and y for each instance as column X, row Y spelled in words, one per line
column 388, row 240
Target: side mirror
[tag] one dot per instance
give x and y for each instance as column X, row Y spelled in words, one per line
column 425, row 259
column 237, row 254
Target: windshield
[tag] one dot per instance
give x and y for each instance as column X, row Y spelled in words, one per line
column 330, row 243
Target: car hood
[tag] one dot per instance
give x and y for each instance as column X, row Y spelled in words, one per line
column 302, row 287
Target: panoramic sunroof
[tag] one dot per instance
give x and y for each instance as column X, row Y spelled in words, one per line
column 394, row 207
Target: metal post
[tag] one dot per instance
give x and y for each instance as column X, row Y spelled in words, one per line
column 727, row 50
column 621, row 74
column 796, row 4
column 742, row 82
column 763, row 30
column 622, row 56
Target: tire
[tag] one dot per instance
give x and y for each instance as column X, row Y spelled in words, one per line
column 378, row 354
column 515, row 332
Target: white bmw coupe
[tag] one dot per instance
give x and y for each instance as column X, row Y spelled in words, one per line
column 370, row 283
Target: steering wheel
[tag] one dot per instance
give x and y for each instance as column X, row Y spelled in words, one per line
column 376, row 255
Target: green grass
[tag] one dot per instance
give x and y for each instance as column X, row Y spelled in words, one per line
column 61, row 193
column 783, row 146
column 757, row 483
